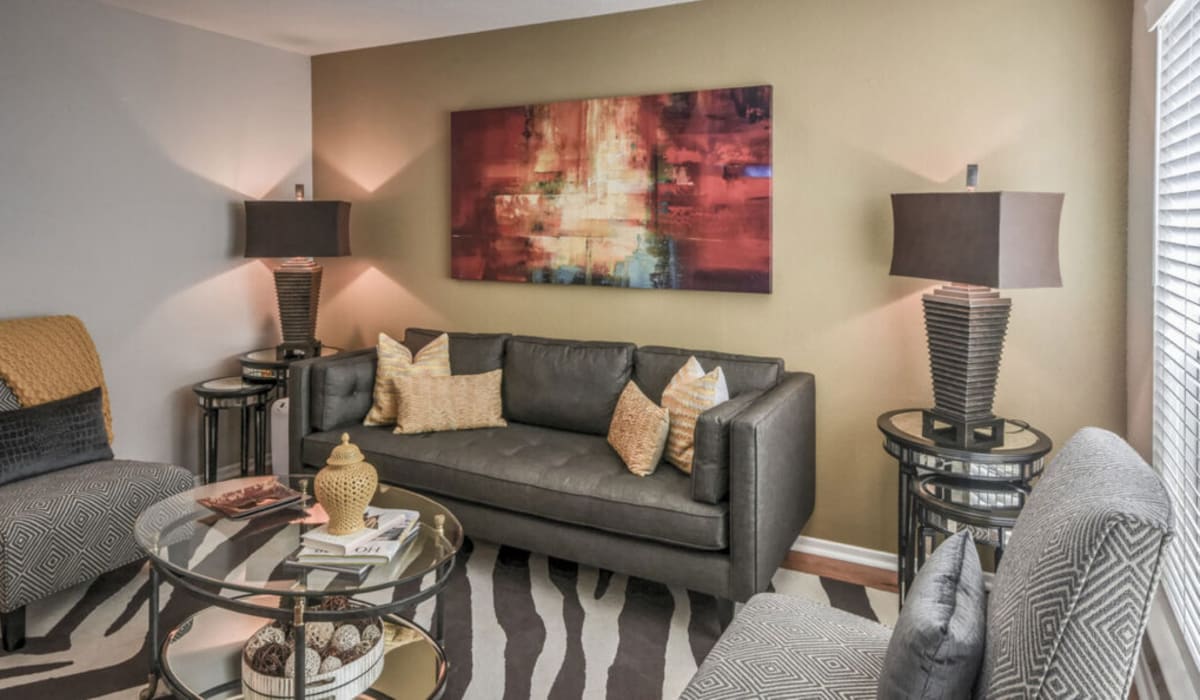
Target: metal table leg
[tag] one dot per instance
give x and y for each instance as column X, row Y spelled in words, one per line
column 210, row 421
column 245, row 416
column 260, row 443
column 152, row 636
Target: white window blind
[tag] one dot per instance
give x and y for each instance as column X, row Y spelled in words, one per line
column 1177, row 305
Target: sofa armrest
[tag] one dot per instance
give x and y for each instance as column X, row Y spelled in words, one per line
column 325, row 393
column 772, row 480
column 710, row 462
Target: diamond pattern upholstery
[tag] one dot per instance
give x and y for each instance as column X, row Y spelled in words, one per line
column 68, row 526
column 784, row 647
column 1066, row 615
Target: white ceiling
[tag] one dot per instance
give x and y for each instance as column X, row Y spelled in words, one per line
column 323, row 26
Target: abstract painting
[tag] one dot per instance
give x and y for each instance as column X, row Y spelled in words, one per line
column 669, row 191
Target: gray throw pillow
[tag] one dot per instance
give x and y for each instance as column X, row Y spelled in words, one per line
column 937, row 646
column 52, row 436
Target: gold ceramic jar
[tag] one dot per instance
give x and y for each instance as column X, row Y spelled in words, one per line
column 344, row 487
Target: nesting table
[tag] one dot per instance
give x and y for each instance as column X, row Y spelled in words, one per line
column 250, row 399
column 944, row 489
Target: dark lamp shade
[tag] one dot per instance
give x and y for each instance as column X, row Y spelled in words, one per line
column 1004, row 240
column 289, row 229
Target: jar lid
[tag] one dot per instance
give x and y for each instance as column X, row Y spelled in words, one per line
column 345, row 454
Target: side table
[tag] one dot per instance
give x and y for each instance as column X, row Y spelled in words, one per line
column 1017, row 462
column 215, row 395
column 266, row 367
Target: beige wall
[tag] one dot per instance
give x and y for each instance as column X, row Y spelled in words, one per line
column 870, row 98
column 127, row 145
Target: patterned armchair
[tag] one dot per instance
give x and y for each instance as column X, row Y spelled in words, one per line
column 63, row 527
column 1066, row 614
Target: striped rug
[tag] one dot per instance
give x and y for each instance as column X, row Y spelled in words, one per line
column 518, row 625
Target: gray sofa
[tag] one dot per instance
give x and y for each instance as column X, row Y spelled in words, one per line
column 549, row 482
column 1065, row 617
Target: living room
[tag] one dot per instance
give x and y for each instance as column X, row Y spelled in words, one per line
column 159, row 158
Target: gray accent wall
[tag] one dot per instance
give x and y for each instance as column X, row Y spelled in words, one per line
column 127, row 145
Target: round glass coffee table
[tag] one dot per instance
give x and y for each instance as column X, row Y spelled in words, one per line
column 240, row 568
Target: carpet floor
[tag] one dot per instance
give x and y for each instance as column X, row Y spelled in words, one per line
column 518, row 625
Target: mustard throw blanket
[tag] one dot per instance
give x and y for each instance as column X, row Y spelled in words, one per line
column 48, row 358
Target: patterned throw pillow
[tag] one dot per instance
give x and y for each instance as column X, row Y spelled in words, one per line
column 397, row 361
column 690, row 393
column 461, row 402
column 638, row 431
column 8, row 400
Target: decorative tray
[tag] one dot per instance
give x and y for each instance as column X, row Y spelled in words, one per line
column 252, row 500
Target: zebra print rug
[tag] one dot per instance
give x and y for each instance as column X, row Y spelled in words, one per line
column 518, row 625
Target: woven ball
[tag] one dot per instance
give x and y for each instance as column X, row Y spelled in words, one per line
column 318, row 634
column 312, row 664
column 264, row 636
column 370, row 633
column 330, row 664
column 345, row 638
column 270, row 659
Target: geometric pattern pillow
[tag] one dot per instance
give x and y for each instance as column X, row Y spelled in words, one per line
column 690, row 393
column 638, row 432
column 394, row 361
column 8, row 400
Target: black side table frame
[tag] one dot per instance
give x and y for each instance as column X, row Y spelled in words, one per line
column 1019, row 461
column 216, row 395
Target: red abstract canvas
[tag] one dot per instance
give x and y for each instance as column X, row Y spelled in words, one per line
column 669, row 191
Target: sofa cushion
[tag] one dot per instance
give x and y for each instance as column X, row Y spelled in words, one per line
column 342, row 389
column 690, row 393
column 554, row 474
column 470, row 353
column 52, row 436
column 638, row 431
column 937, row 644
column 654, row 366
column 1081, row 564
column 68, row 526
column 783, row 648
column 567, row 384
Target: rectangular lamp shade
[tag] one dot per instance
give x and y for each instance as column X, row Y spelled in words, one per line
column 293, row 229
column 1003, row 240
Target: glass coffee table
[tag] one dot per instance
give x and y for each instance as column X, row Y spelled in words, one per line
column 238, row 567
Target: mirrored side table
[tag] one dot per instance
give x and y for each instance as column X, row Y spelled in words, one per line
column 978, row 478
column 250, row 399
column 265, row 366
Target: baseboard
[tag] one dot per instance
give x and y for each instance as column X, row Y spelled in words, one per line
column 849, row 553
column 853, row 554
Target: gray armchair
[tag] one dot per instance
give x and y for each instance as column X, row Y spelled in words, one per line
column 1066, row 614
column 61, row 527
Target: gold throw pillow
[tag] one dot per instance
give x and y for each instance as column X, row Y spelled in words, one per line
column 461, row 402
column 690, row 393
column 638, row 431
column 397, row 361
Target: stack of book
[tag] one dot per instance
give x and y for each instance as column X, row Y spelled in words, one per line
column 387, row 533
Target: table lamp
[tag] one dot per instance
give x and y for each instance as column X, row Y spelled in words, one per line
column 298, row 231
column 975, row 242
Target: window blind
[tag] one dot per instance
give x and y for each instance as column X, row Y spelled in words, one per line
column 1177, row 306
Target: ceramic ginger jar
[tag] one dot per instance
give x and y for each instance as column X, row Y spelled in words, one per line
column 344, row 487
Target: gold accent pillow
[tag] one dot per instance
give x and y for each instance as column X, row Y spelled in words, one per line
column 461, row 402
column 690, row 393
column 638, row 431
column 397, row 361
